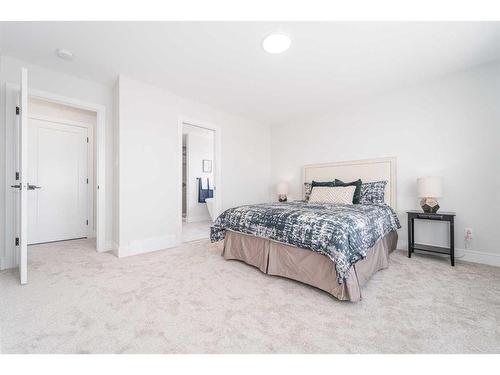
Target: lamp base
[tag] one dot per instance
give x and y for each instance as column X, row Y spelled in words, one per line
column 429, row 205
column 282, row 198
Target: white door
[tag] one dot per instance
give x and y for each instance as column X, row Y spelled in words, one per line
column 58, row 173
column 21, row 184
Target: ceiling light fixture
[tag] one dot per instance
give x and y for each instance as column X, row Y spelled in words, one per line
column 276, row 43
column 64, row 54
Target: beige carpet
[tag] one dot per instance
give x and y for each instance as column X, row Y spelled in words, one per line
column 196, row 231
column 190, row 300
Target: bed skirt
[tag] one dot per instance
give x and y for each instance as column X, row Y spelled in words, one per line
column 309, row 267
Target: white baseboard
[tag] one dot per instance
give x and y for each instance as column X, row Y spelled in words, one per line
column 113, row 248
column 147, row 245
column 109, row 246
column 475, row 256
column 466, row 255
column 7, row 263
column 134, row 248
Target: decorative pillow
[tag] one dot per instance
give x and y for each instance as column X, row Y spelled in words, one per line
column 336, row 194
column 372, row 192
column 307, row 190
column 357, row 192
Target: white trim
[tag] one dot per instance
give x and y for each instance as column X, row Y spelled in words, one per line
column 100, row 139
column 112, row 247
column 60, row 121
column 188, row 210
column 11, row 100
column 462, row 255
column 392, row 201
column 91, row 186
column 476, row 256
column 99, row 136
column 147, row 245
column 217, row 167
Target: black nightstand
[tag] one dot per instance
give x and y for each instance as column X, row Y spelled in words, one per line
column 438, row 216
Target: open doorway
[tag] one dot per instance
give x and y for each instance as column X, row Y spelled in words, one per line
column 198, row 181
column 56, row 150
column 62, row 166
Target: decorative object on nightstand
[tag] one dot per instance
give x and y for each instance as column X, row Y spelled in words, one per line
column 442, row 216
column 429, row 188
column 282, row 190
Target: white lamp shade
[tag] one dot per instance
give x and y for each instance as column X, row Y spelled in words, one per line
column 429, row 187
column 282, row 188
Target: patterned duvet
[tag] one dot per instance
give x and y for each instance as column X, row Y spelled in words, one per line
column 342, row 232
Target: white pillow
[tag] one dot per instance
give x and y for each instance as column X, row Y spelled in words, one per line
column 335, row 194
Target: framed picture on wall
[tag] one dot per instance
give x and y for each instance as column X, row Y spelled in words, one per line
column 207, row 166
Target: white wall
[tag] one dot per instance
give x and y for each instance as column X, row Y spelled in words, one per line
column 149, row 163
column 448, row 127
column 200, row 146
column 61, row 84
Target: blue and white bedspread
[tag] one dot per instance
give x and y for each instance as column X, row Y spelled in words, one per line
column 342, row 232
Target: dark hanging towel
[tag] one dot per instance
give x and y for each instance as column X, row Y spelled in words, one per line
column 204, row 193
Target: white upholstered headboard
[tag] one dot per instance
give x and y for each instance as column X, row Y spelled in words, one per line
column 381, row 169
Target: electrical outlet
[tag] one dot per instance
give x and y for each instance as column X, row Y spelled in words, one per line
column 468, row 234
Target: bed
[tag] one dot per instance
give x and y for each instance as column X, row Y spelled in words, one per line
column 334, row 247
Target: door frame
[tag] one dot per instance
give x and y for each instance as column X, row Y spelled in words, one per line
column 217, row 167
column 100, row 155
column 90, row 163
column 187, row 172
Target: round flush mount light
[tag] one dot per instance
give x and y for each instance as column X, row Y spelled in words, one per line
column 276, row 43
column 64, row 54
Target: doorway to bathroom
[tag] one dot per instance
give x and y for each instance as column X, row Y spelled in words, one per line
column 198, row 180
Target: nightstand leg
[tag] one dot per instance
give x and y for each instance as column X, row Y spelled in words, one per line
column 413, row 235
column 410, row 232
column 452, row 242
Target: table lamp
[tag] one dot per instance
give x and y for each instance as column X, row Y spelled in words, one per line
column 429, row 188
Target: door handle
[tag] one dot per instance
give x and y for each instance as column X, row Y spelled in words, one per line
column 18, row 186
column 33, row 187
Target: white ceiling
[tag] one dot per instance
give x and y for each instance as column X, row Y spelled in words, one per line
column 223, row 64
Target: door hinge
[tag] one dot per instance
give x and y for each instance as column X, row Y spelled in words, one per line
column 87, row 222
column 18, row 110
column 17, row 176
column 17, row 241
column 87, row 180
